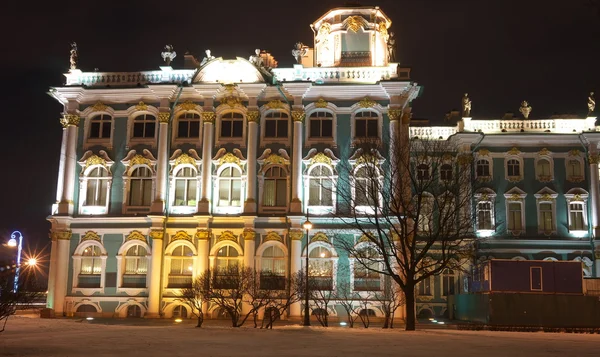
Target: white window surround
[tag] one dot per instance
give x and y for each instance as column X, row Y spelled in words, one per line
column 377, row 110
column 310, row 109
column 580, row 196
column 546, row 196
column 287, row 141
column 261, row 249
column 319, row 210
column 175, row 128
column 219, row 113
column 121, row 310
column 129, row 169
column 490, row 162
column 132, row 113
column 515, row 195
column 519, row 159
column 485, row 195
column 366, row 209
column 215, row 249
column 168, row 257
column 88, row 165
column 185, row 209
column 121, row 267
column 353, row 262
column 575, row 178
column 77, row 257
column 216, row 182
column 261, row 189
column 105, row 141
column 540, row 176
column 334, row 259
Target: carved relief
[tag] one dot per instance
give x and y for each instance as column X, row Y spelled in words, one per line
column 298, row 115
column 227, row 235
column 273, row 236
column 319, row 237
column 203, row 234
column 69, row 119
column 367, row 103
column 187, row 105
column 141, row 106
column 90, row 235
column 136, row 235
column 157, row 234
column 296, row 234
column 321, row 103
column 181, row 235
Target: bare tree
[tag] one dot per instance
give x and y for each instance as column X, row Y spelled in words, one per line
column 281, row 300
column 321, row 292
column 390, row 299
column 197, row 295
column 11, row 300
column 413, row 210
column 228, row 289
column 345, row 297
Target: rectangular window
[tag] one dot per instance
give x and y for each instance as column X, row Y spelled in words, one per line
column 448, row 284
column 484, row 216
column 546, row 217
column 276, row 128
column 425, row 287
column 536, row 278
column 95, row 130
column 514, row 216
column 321, row 128
column 577, row 222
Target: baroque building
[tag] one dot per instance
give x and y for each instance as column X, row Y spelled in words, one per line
column 166, row 174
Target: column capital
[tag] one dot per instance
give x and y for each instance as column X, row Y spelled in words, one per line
column 208, row 117
column 594, row 158
column 394, row 114
column 249, row 234
column 60, row 235
column 465, row 159
column 296, row 234
column 69, row 119
column 252, row 116
column 164, row 117
column 203, row 234
column 298, row 115
column 157, row 234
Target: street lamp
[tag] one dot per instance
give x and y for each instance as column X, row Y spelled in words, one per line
column 13, row 243
column 307, row 225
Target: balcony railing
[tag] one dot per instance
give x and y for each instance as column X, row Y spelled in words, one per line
column 134, row 281
column 180, row 281
column 88, row 281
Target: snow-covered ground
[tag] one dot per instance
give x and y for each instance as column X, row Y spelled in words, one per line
column 26, row 336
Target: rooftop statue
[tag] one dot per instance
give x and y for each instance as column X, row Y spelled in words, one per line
column 466, row 105
column 206, row 59
column 168, row 55
column 591, row 103
column 256, row 59
column 299, row 51
column 73, row 57
column 525, row 109
column 391, row 45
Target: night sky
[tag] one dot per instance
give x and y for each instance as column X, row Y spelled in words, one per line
column 499, row 51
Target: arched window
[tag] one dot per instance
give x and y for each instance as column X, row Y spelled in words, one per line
column 483, row 168
column 140, row 187
column 446, row 172
column 101, row 127
column 91, row 268
column 275, row 187
column 226, row 269
column 423, row 172
column 144, row 126
column 186, row 183
column 182, row 266
column 180, row 312
column 96, row 187
column 366, row 188
column 276, row 125
column 448, row 282
column 321, row 124
column 136, row 267
column 543, row 168
column 85, row 310
column 134, row 311
column 188, row 125
column 230, row 187
column 232, row 125
column 273, row 269
column 366, row 277
column 366, row 124
column 320, row 268
column 320, row 186
column 513, row 167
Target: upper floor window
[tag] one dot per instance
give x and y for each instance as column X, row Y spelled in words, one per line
column 186, row 184
column 574, row 170
column 366, row 124
column 423, row 172
column 276, row 125
column 320, row 186
column 275, row 187
column 321, row 124
column 232, row 125
column 483, row 168
column 230, row 187
column 576, row 216
column 543, row 168
column 513, row 168
column 514, row 216
column 140, row 187
column 188, row 125
column 144, row 126
column 101, row 127
column 484, row 216
column 96, row 187
column 365, row 188
column 446, row 172
column 546, row 223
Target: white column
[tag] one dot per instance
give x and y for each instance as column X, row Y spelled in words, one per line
column 250, row 204
column 61, row 170
column 52, row 272
column 65, row 206
column 296, row 265
column 296, row 206
column 595, row 199
column 394, row 126
column 155, row 273
column 159, row 204
column 203, row 236
column 62, row 266
column 249, row 248
column 207, row 145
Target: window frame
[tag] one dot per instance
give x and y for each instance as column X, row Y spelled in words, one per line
column 354, row 263
column 276, row 139
column 378, row 118
column 185, row 209
column 546, row 196
column 122, row 263
column 484, row 178
column 308, row 139
column 169, row 257
column 217, row 208
column 485, row 195
column 518, row 160
column 574, row 178
column 333, row 258
column 540, row 175
column 577, row 196
column 187, row 140
column 84, row 208
column 366, row 209
column 104, row 141
column 262, row 178
column 260, row 258
column 77, row 263
column 150, row 140
column 220, row 139
column 308, row 178
column 515, row 195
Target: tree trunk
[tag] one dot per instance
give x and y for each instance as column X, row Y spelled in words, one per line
column 386, row 322
column 410, row 309
column 200, row 320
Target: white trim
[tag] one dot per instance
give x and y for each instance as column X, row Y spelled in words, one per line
column 521, row 202
column 519, row 158
column 216, row 182
column 177, row 141
column 77, row 257
column 121, row 261
column 334, row 259
column 133, row 113
column 538, row 175
column 578, row 195
column 264, row 141
column 578, row 158
column 106, row 142
column 539, row 200
column 490, row 161
column 309, row 110
column 491, row 199
column 220, row 111
column 320, row 210
column 261, row 184
column 173, row 177
column 355, row 109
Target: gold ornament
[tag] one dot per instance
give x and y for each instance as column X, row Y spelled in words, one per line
column 546, row 197
column 184, row 159
column 139, row 160
column 253, row 116
column 574, row 152
column 141, row 106
column 394, row 114
column 136, row 235
column 157, row 234
column 248, row 234
column 229, row 158
column 483, row 152
column 319, row 237
column 187, row 105
column 382, row 29
column 298, row 115
column 94, row 160
column 273, row 236
column 514, row 151
column 69, row 119
column 61, row 235
column 320, row 158
column 544, row 151
column 321, row 103
column 275, row 159
column 90, row 235
column 365, row 238
column 208, row 117
column 227, row 235
column 99, row 107
column 275, row 104
column 594, row 159
column 366, row 102
column 325, row 29
column 354, row 23
column 232, row 101
column 296, row 234
column 203, row 234
column 181, row 235
column 164, row 117
column 515, row 197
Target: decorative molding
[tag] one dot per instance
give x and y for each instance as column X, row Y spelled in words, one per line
column 364, row 239
column 594, row 159
column 273, row 236
column 514, row 151
column 248, row 234
column 61, row 235
column 296, row 234
column 139, row 160
column 276, row 104
column 483, row 152
column 227, row 235
column 574, row 152
column 181, row 235
column 231, row 101
column 224, row 157
column 90, row 159
column 184, row 159
column 164, row 117
column 394, row 114
column 136, row 235
column 515, row 197
column 366, row 102
column 320, row 158
column 319, row 237
column 91, row 235
column 208, row 117
column 187, row 105
column 99, row 107
column 354, row 23
column 253, row 116
column 544, row 152
column 69, row 119
column 298, row 115
column 268, row 158
column 203, row 234
column 141, row 106
column 157, row 234
column 321, row 103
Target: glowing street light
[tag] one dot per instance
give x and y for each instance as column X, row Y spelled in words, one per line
column 31, row 262
column 13, row 243
column 308, row 226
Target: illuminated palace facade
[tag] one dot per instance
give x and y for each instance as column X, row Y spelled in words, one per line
column 166, row 174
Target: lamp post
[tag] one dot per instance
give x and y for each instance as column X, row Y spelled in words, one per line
column 307, row 225
column 13, row 243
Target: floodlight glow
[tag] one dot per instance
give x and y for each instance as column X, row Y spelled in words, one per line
column 32, row 262
column 343, row 323
column 178, row 320
column 89, row 318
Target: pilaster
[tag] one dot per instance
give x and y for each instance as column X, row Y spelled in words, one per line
column 296, row 264
column 594, row 159
column 156, row 235
column 250, row 204
column 60, row 240
column 208, row 119
column 296, row 204
column 159, row 204
column 70, row 123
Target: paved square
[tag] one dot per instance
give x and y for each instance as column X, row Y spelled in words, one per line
column 43, row 337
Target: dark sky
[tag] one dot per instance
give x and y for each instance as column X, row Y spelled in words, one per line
column 500, row 51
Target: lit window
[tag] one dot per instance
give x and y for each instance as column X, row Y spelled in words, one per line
column 366, row 124
column 275, row 187
column 96, row 187
column 273, row 269
column 101, row 127
column 230, row 187
column 576, row 216
column 366, row 277
column 515, row 222
column 484, row 216
column 276, row 125
column 574, row 169
column 144, row 126
column 543, row 168
column 227, row 268
column 320, row 186
column 546, row 217
column 91, row 268
column 321, row 124
column 483, row 168
column 513, row 167
column 140, row 187
column 188, row 125
column 182, row 266
column 446, row 172
column 320, row 268
column 186, row 182
column 136, row 267
column 232, row 125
